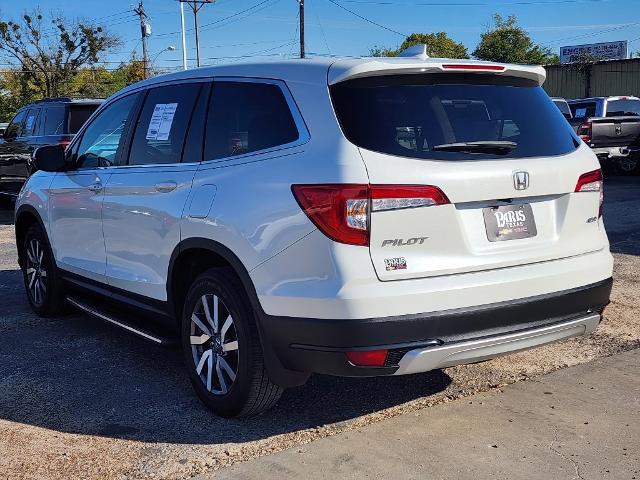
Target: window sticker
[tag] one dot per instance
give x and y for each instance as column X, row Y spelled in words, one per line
column 161, row 120
column 167, row 120
column 581, row 112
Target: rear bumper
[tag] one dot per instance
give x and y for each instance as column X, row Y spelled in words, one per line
column 615, row 152
column 430, row 358
column 419, row 343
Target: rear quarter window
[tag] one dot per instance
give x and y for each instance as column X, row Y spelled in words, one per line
column 416, row 115
column 78, row 115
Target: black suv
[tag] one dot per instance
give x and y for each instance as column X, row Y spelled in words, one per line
column 49, row 121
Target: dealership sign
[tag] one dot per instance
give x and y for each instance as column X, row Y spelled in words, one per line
column 596, row 51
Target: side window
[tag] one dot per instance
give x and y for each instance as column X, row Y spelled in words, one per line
column 15, row 127
column 30, row 122
column 103, row 138
column 54, row 121
column 162, row 126
column 245, row 117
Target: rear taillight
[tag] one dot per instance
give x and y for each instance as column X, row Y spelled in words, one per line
column 339, row 211
column 370, row 358
column 394, row 197
column 342, row 211
column 592, row 182
column 584, row 132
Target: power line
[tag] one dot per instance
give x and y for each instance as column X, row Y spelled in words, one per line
column 189, row 30
column 403, row 35
column 470, row 4
column 324, row 36
column 587, row 35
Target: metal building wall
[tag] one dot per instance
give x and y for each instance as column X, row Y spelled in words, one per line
column 616, row 77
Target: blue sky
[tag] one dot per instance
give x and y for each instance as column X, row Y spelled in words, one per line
column 270, row 29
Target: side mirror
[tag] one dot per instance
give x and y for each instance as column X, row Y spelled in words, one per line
column 49, row 158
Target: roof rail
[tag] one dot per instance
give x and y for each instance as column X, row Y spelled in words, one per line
column 56, row 99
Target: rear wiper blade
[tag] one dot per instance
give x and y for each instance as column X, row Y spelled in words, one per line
column 483, row 146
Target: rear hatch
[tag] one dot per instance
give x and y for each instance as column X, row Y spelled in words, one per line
column 503, row 156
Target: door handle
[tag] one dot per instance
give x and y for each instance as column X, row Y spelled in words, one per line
column 166, row 187
column 96, row 187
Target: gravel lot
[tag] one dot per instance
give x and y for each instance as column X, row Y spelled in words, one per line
column 79, row 398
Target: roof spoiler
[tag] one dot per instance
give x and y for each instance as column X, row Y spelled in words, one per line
column 415, row 60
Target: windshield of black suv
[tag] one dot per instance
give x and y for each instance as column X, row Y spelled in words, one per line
column 627, row 107
column 452, row 117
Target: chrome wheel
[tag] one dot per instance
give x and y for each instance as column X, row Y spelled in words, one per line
column 214, row 344
column 36, row 272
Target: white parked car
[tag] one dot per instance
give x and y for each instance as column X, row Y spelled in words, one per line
column 348, row 217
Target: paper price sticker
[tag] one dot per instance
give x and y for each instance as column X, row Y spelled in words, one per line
column 161, row 121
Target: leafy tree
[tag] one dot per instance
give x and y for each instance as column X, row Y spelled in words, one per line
column 439, row 45
column 51, row 58
column 508, row 42
column 15, row 91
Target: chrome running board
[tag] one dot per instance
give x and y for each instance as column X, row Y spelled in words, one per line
column 86, row 308
column 448, row 355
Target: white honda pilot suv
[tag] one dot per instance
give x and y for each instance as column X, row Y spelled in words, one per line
column 351, row 217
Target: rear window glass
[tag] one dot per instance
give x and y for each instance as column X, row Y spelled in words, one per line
column 162, row 127
column 421, row 116
column 54, row 123
column 582, row 110
column 79, row 114
column 623, row 108
column 246, row 117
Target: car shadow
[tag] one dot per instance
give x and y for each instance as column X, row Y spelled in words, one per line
column 78, row 375
column 6, row 215
column 621, row 217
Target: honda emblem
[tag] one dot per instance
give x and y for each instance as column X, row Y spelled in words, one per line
column 521, row 180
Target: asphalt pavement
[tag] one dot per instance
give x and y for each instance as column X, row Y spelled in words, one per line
column 580, row 423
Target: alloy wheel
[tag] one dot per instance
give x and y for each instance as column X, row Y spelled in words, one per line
column 36, row 272
column 214, row 344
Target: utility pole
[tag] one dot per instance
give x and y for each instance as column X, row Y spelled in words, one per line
column 184, row 41
column 145, row 30
column 196, row 5
column 301, row 3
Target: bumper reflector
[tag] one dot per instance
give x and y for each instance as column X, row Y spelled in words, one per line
column 369, row 358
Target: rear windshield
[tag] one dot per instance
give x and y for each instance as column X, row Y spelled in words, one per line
column 79, row 114
column 623, row 108
column 420, row 115
column 583, row 110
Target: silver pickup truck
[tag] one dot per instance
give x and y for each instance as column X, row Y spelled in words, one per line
column 611, row 127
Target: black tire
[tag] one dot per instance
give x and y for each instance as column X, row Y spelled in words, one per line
column 251, row 391
column 39, row 268
column 629, row 165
